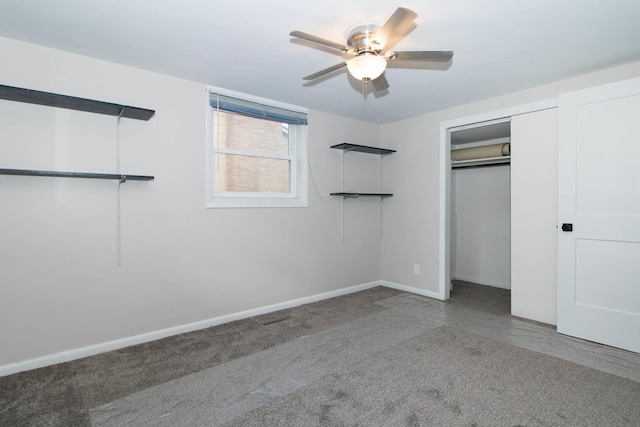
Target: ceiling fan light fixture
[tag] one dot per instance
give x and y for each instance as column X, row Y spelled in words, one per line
column 369, row 47
column 367, row 65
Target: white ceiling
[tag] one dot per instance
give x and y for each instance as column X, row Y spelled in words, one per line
column 244, row 45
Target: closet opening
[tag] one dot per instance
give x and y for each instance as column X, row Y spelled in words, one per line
column 480, row 220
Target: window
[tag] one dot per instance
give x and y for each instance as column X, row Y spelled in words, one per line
column 256, row 152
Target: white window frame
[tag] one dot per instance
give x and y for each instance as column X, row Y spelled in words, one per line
column 297, row 197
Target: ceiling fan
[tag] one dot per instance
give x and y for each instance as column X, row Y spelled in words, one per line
column 369, row 47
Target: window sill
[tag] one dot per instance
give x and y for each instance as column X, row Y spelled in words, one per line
column 236, row 202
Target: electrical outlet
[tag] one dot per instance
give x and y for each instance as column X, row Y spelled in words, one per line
column 416, row 269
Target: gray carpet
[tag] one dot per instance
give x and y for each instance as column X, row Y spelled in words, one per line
column 444, row 377
column 486, row 299
column 63, row 394
column 225, row 392
column 371, row 358
column 480, row 383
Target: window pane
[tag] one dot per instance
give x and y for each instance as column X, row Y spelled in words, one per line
column 247, row 133
column 252, row 174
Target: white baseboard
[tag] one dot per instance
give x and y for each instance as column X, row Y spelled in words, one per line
column 412, row 290
column 482, row 282
column 67, row 356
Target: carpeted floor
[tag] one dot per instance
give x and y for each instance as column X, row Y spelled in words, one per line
column 448, row 377
column 61, row 395
column 378, row 357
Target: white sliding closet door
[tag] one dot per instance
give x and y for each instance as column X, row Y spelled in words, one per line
column 599, row 201
column 534, row 215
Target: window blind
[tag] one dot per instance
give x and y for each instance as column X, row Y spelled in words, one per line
column 257, row 110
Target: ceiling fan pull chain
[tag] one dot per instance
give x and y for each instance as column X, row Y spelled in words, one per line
column 364, row 98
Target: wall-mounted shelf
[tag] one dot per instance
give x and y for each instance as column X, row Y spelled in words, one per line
column 48, row 99
column 345, row 146
column 30, row 96
column 356, row 148
column 363, row 149
column 118, row 177
column 356, row 195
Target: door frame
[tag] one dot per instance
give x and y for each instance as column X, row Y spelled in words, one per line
column 444, row 226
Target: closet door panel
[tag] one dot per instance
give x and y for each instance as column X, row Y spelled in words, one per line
column 534, row 207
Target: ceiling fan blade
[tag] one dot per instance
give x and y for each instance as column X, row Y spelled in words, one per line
column 380, row 83
column 319, row 40
column 396, row 27
column 420, row 55
column 325, row 71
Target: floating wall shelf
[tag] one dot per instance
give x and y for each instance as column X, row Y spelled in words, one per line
column 118, row 177
column 30, row 96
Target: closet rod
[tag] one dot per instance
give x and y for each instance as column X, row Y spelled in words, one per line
column 480, row 166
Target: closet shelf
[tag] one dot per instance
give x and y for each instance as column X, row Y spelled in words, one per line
column 363, row 149
column 351, row 195
column 56, row 174
column 490, row 161
column 72, row 103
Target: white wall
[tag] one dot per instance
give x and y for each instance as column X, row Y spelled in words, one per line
column 482, row 238
column 534, row 210
column 60, row 286
column 411, row 217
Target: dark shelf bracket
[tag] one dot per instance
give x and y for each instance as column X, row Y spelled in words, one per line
column 30, row 96
column 119, row 177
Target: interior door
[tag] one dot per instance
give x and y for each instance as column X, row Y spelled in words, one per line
column 599, row 214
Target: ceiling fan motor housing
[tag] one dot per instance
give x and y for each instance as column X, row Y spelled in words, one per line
column 362, row 39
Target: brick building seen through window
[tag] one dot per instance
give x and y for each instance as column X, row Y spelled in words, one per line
column 251, row 173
